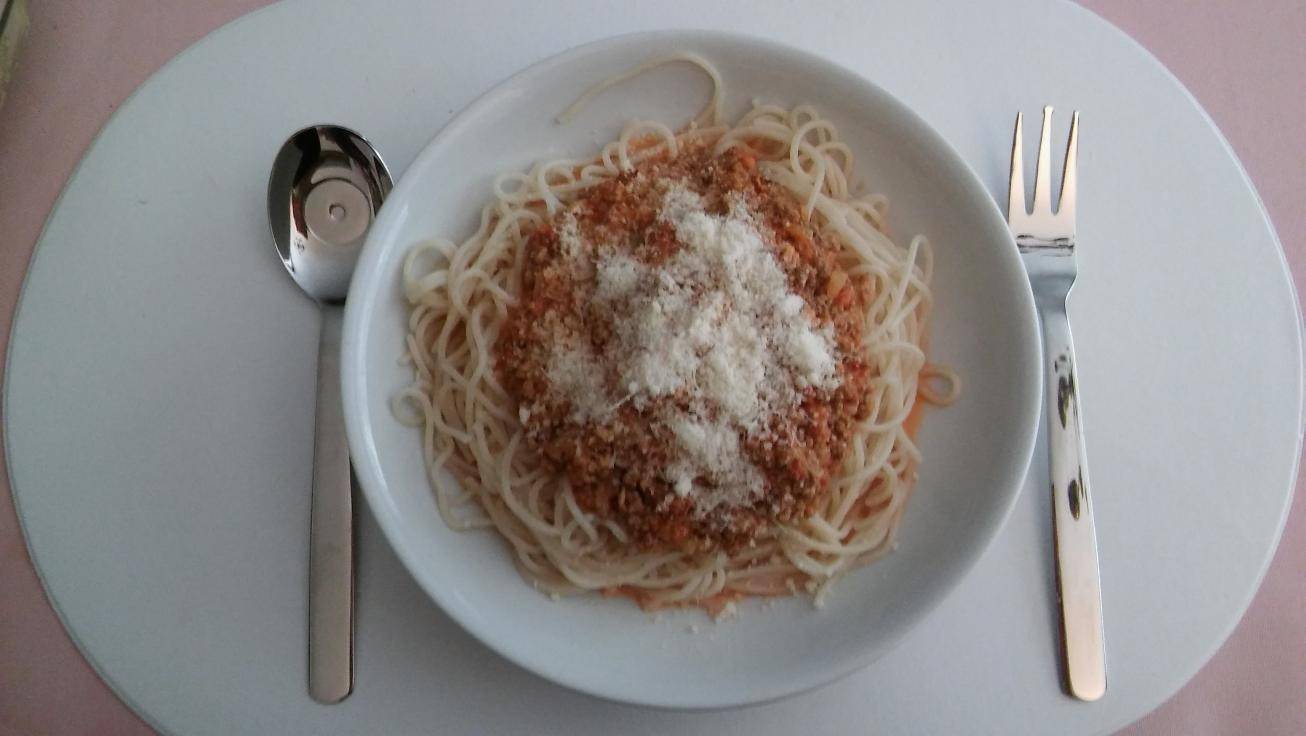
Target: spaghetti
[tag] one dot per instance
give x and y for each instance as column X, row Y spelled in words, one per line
column 465, row 297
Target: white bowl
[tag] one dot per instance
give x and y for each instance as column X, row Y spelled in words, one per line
column 975, row 452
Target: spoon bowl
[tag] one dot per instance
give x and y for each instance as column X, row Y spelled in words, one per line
column 326, row 185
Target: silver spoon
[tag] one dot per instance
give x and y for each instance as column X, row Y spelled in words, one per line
column 326, row 185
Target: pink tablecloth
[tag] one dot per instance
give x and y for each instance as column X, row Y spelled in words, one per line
column 1245, row 62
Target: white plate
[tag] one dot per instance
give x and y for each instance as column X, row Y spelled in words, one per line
column 976, row 452
column 159, row 389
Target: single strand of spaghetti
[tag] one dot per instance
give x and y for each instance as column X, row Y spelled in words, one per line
column 483, row 460
column 626, row 160
column 759, row 129
column 869, row 212
column 706, row 135
column 417, row 286
column 694, row 587
column 593, row 580
column 897, row 363
column 569, row 500
column 813, row 178
column 774, row 565
column 545, row 190
column 528, row 517
column 840, row 154
column 909, row 449
column 750, row 556
column 482, row 370
column 812, row 543
column 523, row 543
column 834, row 184
column 440, row 422
column 512, row 187
column 615, row 530
column 416, row 283
column 799, row 557
column 538, row 505
column 450, row 346
column 677, row 577
column 800, row 145
column 743, row 574
column 433, row 300
column 448, row 398
column 897, row 411
column 934, row 373
column 561, row 171
column 567, row 538
column 803, row 114
column 416, row 357
column 907, row 350
column 499, row 240
column 763, row 111
column 817, row 132
column 860, row 486
column 747, row 143
column 867, row 540
column 608, row 158
column 841, row 504
column 415, row 406
column 804, row 162
column 433, row 466
column 423, row 258
column 710, row 114
column 595, row 173
column 528, row 470
column 821, row 530
column 468, row 254
column 925, row 256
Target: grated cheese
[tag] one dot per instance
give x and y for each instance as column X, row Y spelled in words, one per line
column 574, row 371
column 569, row 235
column 715, row 327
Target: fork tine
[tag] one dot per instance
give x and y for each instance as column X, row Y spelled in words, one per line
column 1016, row 187
column 1066, row 205
column 1042, row 184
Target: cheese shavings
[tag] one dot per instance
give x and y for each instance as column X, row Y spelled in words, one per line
column 716, row 332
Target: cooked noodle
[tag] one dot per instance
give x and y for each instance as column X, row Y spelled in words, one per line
column 460, row 295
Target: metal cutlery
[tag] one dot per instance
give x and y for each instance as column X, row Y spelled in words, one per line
column 1046, row 240
column 326, row 185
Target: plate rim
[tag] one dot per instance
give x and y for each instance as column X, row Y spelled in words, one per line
column 358, row 424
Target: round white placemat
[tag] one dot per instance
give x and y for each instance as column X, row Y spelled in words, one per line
column 160, row 383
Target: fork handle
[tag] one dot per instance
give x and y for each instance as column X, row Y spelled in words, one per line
column 1079, row 587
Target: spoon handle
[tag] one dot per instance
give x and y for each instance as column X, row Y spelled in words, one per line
column 331, row 532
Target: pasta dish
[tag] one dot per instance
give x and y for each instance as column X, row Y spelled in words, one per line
column 684, row 371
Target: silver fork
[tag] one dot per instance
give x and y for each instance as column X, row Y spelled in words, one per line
column 1047, row 246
